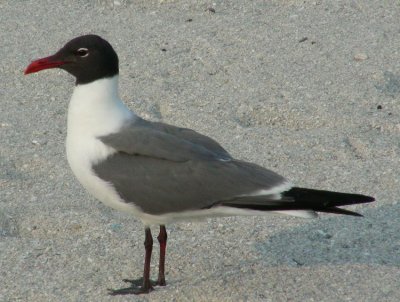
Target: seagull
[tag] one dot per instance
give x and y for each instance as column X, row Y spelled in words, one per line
column 161, row 173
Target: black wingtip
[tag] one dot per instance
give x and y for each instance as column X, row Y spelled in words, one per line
column 335, row 210
column 304, row 199
column 327, row 201
column 328, row 198
column 369, row 198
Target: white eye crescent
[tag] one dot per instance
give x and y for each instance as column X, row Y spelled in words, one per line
column 82, row 52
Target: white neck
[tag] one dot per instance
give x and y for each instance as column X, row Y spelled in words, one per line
column 95, row 108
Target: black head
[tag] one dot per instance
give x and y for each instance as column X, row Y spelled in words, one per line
column 88, row 58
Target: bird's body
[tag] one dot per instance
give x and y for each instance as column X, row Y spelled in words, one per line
column 158, row 172
column 94, row 103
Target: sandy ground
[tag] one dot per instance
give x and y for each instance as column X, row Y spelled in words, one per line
column 310, row 89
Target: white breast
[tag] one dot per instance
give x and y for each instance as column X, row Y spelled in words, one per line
column 95, row 110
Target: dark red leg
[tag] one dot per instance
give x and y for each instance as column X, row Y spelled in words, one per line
column 146, row 285
column 162, row 239
column 148, row 245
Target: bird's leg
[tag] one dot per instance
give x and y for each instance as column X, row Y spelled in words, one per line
column 148, row 245
column 162, row 239
column 146, row 282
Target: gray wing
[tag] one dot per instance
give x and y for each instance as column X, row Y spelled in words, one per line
column 178, row 174
column 194, row 137
column 164, row 141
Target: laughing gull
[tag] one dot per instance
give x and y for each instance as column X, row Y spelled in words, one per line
column 161, row 173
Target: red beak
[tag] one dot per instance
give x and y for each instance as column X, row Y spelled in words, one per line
column 44, row 63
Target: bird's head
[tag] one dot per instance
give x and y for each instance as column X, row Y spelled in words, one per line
column 88, row 58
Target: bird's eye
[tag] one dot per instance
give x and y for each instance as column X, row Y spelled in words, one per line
column 82, row 52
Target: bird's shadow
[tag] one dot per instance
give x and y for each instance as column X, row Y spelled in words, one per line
column 374, row 239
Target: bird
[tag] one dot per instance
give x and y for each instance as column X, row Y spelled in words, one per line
column 161, row 173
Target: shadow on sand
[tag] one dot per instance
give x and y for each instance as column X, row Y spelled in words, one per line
column 374, row 239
